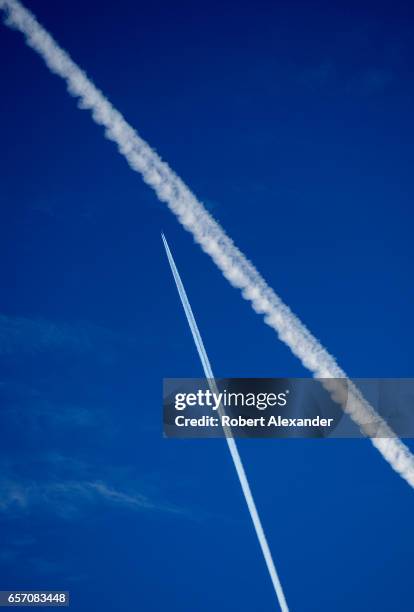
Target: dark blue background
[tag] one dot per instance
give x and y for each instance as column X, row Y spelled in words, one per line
column 292, row 121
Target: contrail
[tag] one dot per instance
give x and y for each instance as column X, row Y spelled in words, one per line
column 206, row 231
column 230, row 441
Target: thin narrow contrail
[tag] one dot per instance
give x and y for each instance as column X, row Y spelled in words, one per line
column 206, row 231
column 208, row 372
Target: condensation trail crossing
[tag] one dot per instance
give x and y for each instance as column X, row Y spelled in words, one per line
column 230, row 441
column 207, row 232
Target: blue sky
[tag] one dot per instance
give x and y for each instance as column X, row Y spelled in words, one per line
column 292, row 121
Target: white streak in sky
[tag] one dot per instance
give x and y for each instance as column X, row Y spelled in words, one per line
column 205, row 230
column 230, row 441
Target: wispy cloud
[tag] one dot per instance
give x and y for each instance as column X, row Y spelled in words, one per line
column 45, row 418
column 25, row 335
column 71, row 498
column 374, row 80
column 329, row 76
column 362, row 60
column 39, row 415
column 33, row 335
column 26, row 554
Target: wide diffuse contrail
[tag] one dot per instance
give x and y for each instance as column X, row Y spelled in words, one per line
column 206, row 231
column 208, row 372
